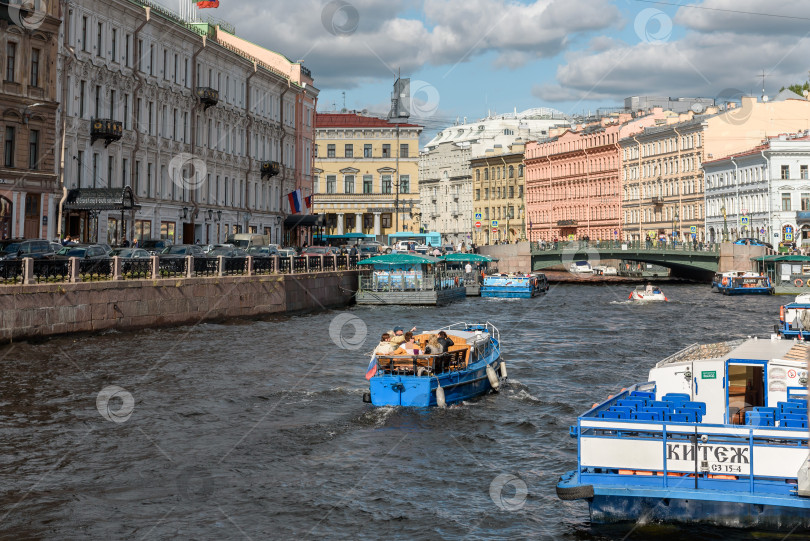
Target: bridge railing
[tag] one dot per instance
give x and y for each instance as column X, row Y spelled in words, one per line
column 630, row 246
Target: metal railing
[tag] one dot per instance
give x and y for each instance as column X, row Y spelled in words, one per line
column 206, row 266
column 48, row 270
column 93, row 270
column 263, row 265
column 634, row 245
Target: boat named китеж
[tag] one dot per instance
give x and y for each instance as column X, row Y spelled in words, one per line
column 742, row 283
column 522, row 286
column 717, row 435
column 470, row 367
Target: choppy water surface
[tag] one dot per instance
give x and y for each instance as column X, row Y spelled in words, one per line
column 258, row 430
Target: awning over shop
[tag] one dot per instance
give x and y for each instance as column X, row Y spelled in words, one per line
column 400, row 259
column 100, row 199
column 303, row 220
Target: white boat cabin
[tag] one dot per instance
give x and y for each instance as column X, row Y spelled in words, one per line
column 737, row 377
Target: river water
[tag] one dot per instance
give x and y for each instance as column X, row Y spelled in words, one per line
column 257, row 429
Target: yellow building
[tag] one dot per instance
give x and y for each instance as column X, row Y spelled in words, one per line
column 357, row 187
column 498, row 195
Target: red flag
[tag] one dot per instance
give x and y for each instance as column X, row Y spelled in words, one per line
column 208, row 4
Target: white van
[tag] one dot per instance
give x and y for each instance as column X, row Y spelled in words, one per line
column 248, row 240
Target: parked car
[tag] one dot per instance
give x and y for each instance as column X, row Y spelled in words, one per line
column 248, row 240
column 129, row 253
column 33, row 248
column 753, row 242
column 208, row 247
column 82, row 251
column 287, row 252
column 373, row 247
column 154, row 246
column 262, row 251
column 227, row 251
column 320, row 250
column 581, row 267
column 172, row 258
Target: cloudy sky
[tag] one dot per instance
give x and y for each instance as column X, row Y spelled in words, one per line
column 467, row 57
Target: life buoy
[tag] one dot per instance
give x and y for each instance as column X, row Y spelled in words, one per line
column 798, row 282
column 456, row 280
column 725, row 281
column 782, row 314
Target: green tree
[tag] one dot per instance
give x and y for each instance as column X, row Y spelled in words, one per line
column 798, row 88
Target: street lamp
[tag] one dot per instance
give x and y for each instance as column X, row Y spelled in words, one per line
column 725, row 223
column 674, row 220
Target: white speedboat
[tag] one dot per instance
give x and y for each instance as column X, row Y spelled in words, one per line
column 647, row 294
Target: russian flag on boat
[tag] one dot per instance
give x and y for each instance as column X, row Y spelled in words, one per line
column 372, row 367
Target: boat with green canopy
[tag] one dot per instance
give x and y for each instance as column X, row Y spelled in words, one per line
column 410, row 279
column 479, row 265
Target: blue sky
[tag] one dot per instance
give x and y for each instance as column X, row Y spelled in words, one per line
column 471, row 56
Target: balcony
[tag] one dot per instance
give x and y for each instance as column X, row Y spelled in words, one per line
column 207, row 96
column 657, row 200
column 270, row 169
column 104, row 128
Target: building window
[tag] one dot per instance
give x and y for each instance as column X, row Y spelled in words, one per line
column 95, row 170
column 330, row 183
column 403, row 150
column 348, row 151
column 786, row 201
column 367, row 151
column 84, row 34
column 98, row 102
column 127, row 41
column 11, row 56
column 478, row 194
column 486, row 174
column 80, row 168
column 520, row 192
column 511, row 171
column 386, row 151
column 33, row 149
column 785, row 172
column 386, row 183
column 8, row 147
column 34, row 67
column 348, row 184
column 151, row 59
column 330, row 151
column 99, row 39
column 803, row 171
column 486, row 193
column 114, row 52
column 368, row 184
column 511, row 191
column 386, row 220
column 167, row 231
column 806, row 201
column 520, row 170
column 405, row 184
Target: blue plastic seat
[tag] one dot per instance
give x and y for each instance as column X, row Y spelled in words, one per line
column 789, row 423
column 613, row 415
column 660, row 411
column 647, row 416
column 696, row 414
column 680, row 417
column 757, row 418
column 793, row 416
column 661, row 404
column 802, row 399
column 623, row 409
column 677, row 397
column 649, row 395
column 790, row 406
column 634, row 404
column 701, row 406
column 772, row 411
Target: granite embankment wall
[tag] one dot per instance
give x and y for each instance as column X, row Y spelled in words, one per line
column 511, row 257
column 48, row 309
column 738, row 257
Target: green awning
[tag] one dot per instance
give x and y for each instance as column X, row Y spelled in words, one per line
column 472, row 258
column 400, row 259
column 781, row 258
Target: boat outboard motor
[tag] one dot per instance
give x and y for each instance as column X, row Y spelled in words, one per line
column 804, row 478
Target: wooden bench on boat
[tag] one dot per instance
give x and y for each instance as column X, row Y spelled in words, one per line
column 455, row 359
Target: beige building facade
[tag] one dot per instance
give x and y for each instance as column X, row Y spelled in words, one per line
column 498, row 195
column 366, row 175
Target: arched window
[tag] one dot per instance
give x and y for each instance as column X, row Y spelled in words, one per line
column 511, row 171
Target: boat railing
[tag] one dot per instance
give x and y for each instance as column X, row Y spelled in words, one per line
column 403, row 281
column 657, row 453
column 464, row 326
column 422, row 365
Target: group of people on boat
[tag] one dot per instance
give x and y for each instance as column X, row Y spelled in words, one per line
column 399, row 342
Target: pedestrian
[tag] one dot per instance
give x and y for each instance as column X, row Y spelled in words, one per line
column 468, row 269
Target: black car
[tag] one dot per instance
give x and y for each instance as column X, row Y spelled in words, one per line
column 227, row 252
column 154, row 246
column 172, row 258
column 81, row 251
column 33, row 248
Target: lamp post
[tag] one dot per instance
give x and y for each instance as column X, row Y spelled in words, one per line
column 725, row 223
column 674, row 221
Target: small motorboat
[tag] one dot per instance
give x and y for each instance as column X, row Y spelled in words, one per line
column 647, row 294
column 524, row 286
column 471, row 367
column 794, row 318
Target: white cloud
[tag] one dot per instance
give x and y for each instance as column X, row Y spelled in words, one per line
column 787, row 17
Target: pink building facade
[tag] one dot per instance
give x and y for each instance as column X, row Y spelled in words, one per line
column 572, row 180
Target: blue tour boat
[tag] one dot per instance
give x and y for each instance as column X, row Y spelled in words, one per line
column 471, row 367
column 522, row 286
column 742, row 283
column 718, row 435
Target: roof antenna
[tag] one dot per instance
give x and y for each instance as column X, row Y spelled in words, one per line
column 344, row 101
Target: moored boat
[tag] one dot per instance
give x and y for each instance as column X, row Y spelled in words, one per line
column 471, row 367
column 742, row 283
column 522, row 286
column 717, row 435
column 794, row 318
column 408, row 279
column 647, row 293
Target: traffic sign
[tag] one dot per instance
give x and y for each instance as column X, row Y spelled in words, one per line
column 494, row 229
column 789, row 237
column 744, row 220
column 494, row 223
column 762, row 231
column 478, row 225
column 478, row 216
column 693, row 229
column 694, row 236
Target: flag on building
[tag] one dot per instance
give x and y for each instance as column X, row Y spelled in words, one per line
column 308, row 204
column 296, row 201
column 207, row 4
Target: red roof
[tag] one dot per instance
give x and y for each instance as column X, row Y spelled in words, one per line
column 353, row 120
